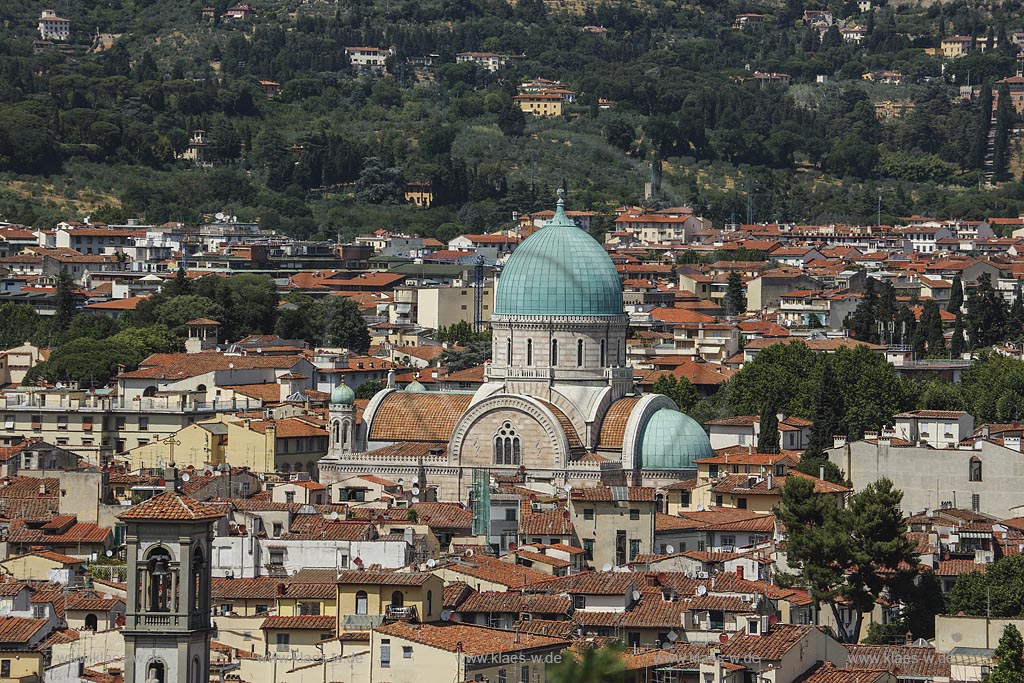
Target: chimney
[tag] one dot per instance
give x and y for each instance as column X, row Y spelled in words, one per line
column 821, row 472
column 838, row 441
column 1012, row 442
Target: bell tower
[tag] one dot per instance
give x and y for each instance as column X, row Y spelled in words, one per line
column 168, row 622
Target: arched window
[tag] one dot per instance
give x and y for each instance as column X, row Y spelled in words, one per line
column 579, row 353
column 397, row 599
column 975, row 469
column 91, row 622
column 554, row 352
column 430, row 603
column 337, row 433
column 158, row 580
column 198, row 566
column 604, row 353
column 529, row 352
column 155, row 672
column 508, row 352
column 361, row 602
column 149, row 391
column 507, row 448
column 201, row 389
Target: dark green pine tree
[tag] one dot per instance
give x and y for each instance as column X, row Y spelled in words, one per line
column 956, row 296
column 1001, row 149
column 734, row 302
column 957, row 344
column 1010, row 668
column 979, row 146
column 986, row 314
column 768, row 434
column 828, row 412
column 863, row 322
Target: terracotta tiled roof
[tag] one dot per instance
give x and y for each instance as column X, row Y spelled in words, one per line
column 542, row 558
column 81, row 532
column 827, row 673
column 434, row 515
column 316, row 527
column 654, row 612
column 740, row 484
column 496, row 571
column 592, row 583
column 427, row 416
column 383, row 578
column 554, row 522
column 409, row 450
column 174, row 366
column 613, row 427
column 564, row 628
column 909, row 661
column 19, row 629
column 958, row 567
column 322, row 623
column 92, row 603
column 771, row 646
column 476, row 641
column 565, row 423
column 740, row 455
column 634, row 494
column 50, row 555
column 724, row 603
column 455, row 593
column 172, row 505
column 500, row 601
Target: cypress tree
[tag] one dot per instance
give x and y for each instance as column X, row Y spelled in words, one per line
column 768, row 436
column 956, row 296
column 980, row 146
column 956, row 344
column 734, row 302
column 1010, row 668
column 828, row 412
column 1001, row 151
column 931, row 324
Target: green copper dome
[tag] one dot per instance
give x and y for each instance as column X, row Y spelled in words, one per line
column 672, row 441
column 342, row 395
column 559, row 270
column 415, row 387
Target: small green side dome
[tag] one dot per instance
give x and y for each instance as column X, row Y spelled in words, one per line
column 559, row 270
column 342, row 395
column 672, row 441
column 415, row 387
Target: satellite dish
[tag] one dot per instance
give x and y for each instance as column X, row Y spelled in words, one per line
column 108, row 596
column 666, row 645
column 673, row 636
column 207, row 473
column 512, row 547
column 669, row 549
column 334, row 516
column 772, row 620
column 568, row 488
column 469, row 553
column 607, row 567
column 358, row 562
column 185, row 477
column 702, row 591
column 415, row 490
column 432, row 563
column 700, row 508
column 415, row 499
column 5, row 611
column 231, row 366
column 445, row 615
column 110, row 553
column 724, row 638
column 636, row 595
column 219, row 216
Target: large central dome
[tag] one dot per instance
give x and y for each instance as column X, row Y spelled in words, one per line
column 559, row 270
